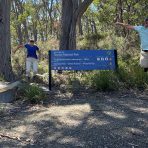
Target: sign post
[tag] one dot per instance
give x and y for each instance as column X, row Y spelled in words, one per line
column 49, row 68
column 81, row 60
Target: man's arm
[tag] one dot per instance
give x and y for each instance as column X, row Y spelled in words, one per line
column 125, row 25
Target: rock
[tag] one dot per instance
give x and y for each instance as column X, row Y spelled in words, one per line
column 7, row 91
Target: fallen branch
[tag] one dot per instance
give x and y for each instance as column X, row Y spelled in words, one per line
column 7, row 136
column 14, row 138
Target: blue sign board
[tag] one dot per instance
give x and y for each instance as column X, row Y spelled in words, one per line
column 83, row 59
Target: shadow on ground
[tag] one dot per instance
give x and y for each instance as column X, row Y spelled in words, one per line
column 87, row 120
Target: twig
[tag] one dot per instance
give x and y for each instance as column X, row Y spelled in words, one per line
column 7, row 136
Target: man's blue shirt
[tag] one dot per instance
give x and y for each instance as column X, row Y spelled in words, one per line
column 143, row 33
column 31, row 51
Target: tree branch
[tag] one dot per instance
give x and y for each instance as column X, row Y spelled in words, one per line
column 83, row 7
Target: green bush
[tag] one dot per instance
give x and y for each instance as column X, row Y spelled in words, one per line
column 94, row 37
column 129, row 75
column 42, row 67
column 33, row 93
column 90, row 41
column 105, row 81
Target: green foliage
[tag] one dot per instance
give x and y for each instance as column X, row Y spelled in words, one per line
column 42, row 68
column 132, row 75
column 33, row 93
column 127, row 76
column 96, row 2
column 94, row 37
column 105, row 81
column 90, row 41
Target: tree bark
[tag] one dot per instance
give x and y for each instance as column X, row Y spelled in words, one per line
column 5, row 45
column 72, row 10
column 80, row 27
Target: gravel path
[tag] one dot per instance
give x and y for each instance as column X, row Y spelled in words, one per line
column 84, row 120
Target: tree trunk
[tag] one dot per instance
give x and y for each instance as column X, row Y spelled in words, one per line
column 35, row 33
column 17, row 25
column 72, row 10
column 5, row 46
column 19, row 34
column 72, row 34
column 94, row 26
column 26, row 31
column 66, row 24
column 80, row 27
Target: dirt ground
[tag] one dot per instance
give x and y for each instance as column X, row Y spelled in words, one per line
column 86, row 119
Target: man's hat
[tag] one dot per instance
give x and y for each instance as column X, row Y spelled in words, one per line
column 146, row 19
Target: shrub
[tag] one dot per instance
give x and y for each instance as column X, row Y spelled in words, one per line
column 33, row 93
column 128, row 75
column 90, row 41
column 131, row 74
column 105, row 81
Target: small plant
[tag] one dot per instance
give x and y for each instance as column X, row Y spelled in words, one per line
column 131, row 74
column 105, row 81
column 33, row 93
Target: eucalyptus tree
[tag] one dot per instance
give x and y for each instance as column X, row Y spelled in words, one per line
column 72, row 10
column 34, row 19
column 5, row 45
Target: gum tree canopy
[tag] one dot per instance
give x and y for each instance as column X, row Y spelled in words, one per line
column 72, row 10
column 5, row 46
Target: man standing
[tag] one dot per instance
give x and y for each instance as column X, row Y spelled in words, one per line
column 32, row 58
column 143, row 33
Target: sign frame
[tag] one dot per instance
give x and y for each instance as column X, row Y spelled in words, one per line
column 50, row 62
